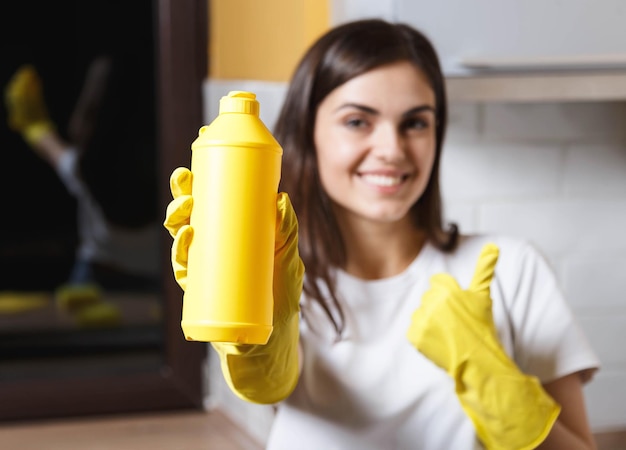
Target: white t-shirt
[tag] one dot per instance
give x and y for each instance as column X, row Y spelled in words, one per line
column 373, row 391
column 135, row 251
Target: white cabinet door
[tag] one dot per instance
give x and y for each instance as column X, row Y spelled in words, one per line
column 502, row 35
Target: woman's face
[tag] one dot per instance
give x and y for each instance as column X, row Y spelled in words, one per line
column 375, row 142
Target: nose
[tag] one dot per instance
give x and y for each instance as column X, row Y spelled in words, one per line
column 389, row 144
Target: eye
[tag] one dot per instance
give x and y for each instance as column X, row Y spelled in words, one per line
column 356, row 122
column 416, row 123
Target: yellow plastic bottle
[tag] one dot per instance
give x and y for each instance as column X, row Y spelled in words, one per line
column 235, row 164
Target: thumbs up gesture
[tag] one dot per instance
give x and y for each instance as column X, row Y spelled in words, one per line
column 451, row 324
column 454, row 329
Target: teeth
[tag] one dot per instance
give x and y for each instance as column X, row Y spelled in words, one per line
column 382, row 180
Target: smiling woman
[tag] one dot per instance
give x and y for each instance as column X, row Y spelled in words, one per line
column 363, row 142
column 404, row 323
column 106, row 347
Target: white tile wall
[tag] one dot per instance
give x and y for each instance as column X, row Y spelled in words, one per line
column 553, row 173
column 596, row 283
column 594, row 170
column 560, row 122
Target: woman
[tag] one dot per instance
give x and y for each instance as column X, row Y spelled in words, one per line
column 388, row 351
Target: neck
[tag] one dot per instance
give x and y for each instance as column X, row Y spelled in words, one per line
column 381, row 250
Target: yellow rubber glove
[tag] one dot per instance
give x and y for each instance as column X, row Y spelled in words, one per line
column 177, row 222
column 454, row 328
column 26, row 109
column 256, row 373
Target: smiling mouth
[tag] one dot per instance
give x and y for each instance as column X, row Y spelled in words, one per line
column 384, row 180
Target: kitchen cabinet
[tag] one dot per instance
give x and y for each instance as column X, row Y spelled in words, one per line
column 517, row 51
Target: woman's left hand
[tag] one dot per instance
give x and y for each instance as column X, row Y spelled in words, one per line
column 454, row 328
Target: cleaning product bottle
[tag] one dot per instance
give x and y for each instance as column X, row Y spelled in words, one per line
column 235, row 164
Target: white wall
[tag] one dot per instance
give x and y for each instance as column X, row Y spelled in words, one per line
column 553, row 173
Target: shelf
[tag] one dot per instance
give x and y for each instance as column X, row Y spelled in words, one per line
column 588, row 62
column 526, row 87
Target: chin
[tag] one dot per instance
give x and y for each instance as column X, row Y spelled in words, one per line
column 388, row 216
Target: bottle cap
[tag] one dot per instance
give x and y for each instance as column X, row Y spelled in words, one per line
column 239, row 102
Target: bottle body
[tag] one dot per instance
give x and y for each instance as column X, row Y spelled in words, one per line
column 236, row 170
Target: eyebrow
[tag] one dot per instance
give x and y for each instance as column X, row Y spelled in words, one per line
column 372, row 111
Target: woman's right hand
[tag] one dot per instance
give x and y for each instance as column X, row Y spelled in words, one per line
column 267, row 373
column 288, row 267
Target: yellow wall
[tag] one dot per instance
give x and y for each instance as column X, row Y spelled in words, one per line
column 262, row 39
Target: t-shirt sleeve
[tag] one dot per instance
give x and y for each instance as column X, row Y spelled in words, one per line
column 548, row 342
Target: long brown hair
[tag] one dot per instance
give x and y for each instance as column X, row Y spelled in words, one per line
column 341, row 54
